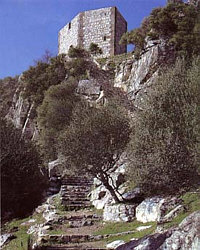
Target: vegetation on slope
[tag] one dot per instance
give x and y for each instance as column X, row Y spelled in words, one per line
column 178, row 24
column 22, row 183
column 164, row 150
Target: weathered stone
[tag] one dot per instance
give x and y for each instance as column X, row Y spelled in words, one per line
column 102, row 26
column 119, row 212
column 5, row 238
column 173, row 213
column 153, row 209
column 141, row 228
column 115, row 244
column 186, row 236
column 135, row 196
column 152, row 242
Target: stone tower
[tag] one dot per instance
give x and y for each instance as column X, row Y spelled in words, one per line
column 102, row 26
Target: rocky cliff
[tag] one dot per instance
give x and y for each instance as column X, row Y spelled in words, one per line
column 132, row 76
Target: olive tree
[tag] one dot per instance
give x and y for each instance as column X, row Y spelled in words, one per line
column 94, row 141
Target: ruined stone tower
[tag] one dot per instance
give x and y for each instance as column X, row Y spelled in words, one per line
column 102, row 26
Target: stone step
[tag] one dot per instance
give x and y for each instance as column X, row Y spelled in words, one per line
column 76, row 186
column 76, row 181
column 77, row 247
column 74, row 203
column 77, row 206
column 75, row 199
column 66, row 187
column 72, row 196
column 75, row 192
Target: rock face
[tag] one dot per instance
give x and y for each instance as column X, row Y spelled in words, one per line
column 135, row 76
column 153, row 209
column 185, row 237
column 119, row 212
column 5, row 238
column 20, row 114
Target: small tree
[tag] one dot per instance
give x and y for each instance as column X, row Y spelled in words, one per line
column 95, row 140
column 22, row 182
column 76, row 52
column 54, row 114
column 164, row 149
column 95, row 49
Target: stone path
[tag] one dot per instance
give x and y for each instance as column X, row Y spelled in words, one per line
column 74, row 192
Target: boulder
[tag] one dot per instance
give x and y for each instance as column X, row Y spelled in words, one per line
column 119, row 212
column 173, row 213
column 114, row 244
column 5, row 238
column 89, row 88
column 153, row 209
column 152, row 242
column 134, row 196
column 141, row 228
column 186, row 236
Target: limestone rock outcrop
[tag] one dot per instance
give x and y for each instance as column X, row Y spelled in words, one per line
column 185, row 237
column 135, row 76
column 119, row 212
column 154, row 209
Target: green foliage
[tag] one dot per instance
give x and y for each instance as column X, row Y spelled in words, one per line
column 21, row 179
column 76, row 52
column 37, row 79
column 176, row 23
column 95, row 139
column 8, row 87
column 77, row 67
column 164, row 150
column 55, row 113
column 191, row 201
column 137, row 37
column 95, row 49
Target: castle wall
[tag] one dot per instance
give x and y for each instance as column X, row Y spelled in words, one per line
column 120, row 29
column 97, row 29
column 102, row 26
column 69, row 35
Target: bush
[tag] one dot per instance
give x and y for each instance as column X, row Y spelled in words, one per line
column 22, row 182
column 164, row 149
column 77, row 68
column 94, row 141
column 55, row 113
column 8, row 87
column 37, row 79
column 177, row 24
column 94, row 49
column 76, row 52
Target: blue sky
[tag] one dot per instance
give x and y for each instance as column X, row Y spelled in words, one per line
column 29, row 27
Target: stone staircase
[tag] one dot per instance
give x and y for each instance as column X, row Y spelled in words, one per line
column 74, row 192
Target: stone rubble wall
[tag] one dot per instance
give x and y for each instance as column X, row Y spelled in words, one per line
column 96, row 28
column 68, row 35
column 102, row 26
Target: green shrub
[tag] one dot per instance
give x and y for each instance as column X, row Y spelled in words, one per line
column 54, row 114
column 164, row 150
column 95, row 49
column 22, row 181
column 37, row 79
column 76, row 52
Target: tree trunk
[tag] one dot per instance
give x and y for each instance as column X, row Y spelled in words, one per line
column 104, row 179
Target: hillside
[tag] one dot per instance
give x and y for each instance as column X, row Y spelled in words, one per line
column 104, row 152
